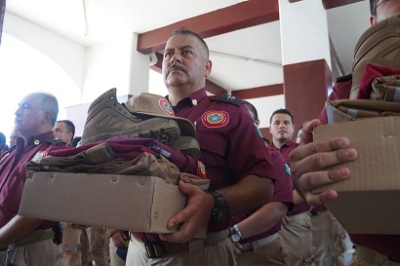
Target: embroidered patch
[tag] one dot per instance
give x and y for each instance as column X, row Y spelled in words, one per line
column 39, row 156
column 287, row 169
column 215, row 119
column 166, row 107
column 201, row 169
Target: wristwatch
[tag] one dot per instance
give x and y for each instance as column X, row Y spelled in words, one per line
column 235, row 234
column 221, row 208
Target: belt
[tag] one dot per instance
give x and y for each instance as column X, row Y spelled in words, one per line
column 162, row 249
column 299, row 216
column 259, row 243
column 374, row 258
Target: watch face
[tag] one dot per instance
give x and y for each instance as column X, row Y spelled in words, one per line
column 235, row 238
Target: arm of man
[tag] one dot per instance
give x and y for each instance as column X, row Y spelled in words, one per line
column 263, row 219
column 17, row 228
column 310, row 162
column 197, row 212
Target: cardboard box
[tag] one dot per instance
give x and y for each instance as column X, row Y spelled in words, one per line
column 126, row 202
column 367, row 202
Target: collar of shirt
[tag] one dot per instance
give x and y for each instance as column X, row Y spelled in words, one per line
column 287, row 144
column 192, row 100
column 36, row 140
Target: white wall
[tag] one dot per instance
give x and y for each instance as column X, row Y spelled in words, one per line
column 69, row 55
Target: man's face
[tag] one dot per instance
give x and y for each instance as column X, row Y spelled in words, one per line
column 29, row 118
column 185, row 63
column 281, row 127
column 385, row 9
column 60, row 132
column 13, row 138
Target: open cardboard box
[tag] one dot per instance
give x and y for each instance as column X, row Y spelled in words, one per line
column 126, row 202
column 367, row 202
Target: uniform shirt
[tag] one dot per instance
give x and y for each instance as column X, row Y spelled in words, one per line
column 285, row 150
column 341, row 90
column 13, row 173
column 282, row 193
column 230, row 145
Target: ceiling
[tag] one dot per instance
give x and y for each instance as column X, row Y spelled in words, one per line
column 242, row 59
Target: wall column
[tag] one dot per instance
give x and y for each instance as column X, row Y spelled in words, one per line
column 305, row 57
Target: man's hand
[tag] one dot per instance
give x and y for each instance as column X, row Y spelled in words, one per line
column 193, row 217
column 309, row 163
column 236, row 248
column 119, row 239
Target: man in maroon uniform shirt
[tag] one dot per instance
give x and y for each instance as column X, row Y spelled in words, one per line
column 29, row 240
column 296, row 229
column 239, row 171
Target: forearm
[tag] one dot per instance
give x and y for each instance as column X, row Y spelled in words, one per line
column 17, row 229
column 263, row 219
column 249, row 194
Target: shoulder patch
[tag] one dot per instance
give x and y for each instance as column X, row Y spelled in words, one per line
column 229, row 99
column 344, row 78
column 39, row 156
column 55, row 141
column 215, row 119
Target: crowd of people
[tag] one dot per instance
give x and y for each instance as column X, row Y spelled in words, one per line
column 259, row 208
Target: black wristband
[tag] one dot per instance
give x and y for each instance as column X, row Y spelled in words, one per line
column 220, row 211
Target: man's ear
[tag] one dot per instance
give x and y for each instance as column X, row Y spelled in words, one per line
column 46, row 117
column 372, row 20
column 208, row 67
column 257, row 122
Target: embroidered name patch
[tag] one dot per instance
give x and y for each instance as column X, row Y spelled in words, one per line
column 166, row 107
column 215, row 119
column 39, row 156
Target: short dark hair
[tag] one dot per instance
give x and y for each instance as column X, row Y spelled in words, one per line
column 49, row 104
column 70, row 126
column 2, row 141
column 252, row 109
column 281, row 111
column 372, row 6
column 185, row 31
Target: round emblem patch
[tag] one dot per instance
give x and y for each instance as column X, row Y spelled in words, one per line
column 215, row 119
column 201, row 169
column 166, row 107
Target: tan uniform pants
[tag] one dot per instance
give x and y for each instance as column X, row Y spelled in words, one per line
column 328, row 238
column 298, row 239
column 274, row 253
column 44, row 253
column 219, row 254
column 72, row 246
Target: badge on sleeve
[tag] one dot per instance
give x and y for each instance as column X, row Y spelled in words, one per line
column 166, row 107
column 39, row 156
column 201, row 169
column 215, row 119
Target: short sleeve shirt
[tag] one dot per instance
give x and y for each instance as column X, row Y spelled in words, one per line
column 13, row 172
column 229, row 142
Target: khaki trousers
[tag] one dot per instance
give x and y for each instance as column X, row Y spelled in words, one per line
column 298, row 239
column 44, row 253
column 328, row 238
column 219, row 254
column 274, row 253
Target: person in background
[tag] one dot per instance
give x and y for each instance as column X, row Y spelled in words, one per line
column 64, row 130
column 255, row 237
column 296, row 229
column 27, row 241
column 3, row 144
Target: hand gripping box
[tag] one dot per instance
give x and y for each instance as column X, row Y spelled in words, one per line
column 368, row 201
column 126, row 202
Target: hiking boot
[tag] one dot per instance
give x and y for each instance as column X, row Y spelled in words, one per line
column 108, row 118
column 187, row 145
column 379, row 45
